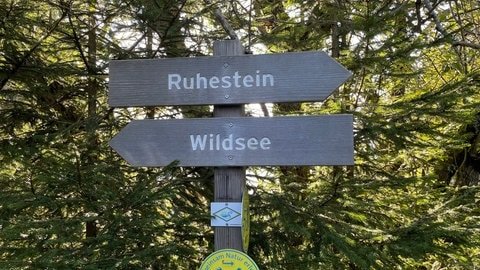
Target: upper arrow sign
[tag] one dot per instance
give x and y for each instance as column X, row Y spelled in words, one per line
column 288, row 77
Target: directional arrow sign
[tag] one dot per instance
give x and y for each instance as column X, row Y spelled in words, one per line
column 238, row 141
column 287, row 77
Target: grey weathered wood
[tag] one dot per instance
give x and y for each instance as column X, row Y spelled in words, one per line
column 307, row 140
column 300, row 76
column 229, row 182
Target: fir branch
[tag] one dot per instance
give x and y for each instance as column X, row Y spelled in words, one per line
column 223, row 21
column 30, row 52
column 466, row 44
column 443, row 31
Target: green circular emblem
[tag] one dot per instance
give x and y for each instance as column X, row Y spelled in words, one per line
column 228, row 259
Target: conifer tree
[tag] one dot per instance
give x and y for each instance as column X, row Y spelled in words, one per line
column 67, row 201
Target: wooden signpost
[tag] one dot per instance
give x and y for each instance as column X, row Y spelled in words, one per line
column 230, row 141
column 229, row 182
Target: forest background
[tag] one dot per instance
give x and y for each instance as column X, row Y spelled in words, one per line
column 411, row 201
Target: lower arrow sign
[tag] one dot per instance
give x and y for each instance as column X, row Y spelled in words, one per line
column 242, row 141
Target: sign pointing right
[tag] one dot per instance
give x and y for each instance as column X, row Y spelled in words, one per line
column 286, row 77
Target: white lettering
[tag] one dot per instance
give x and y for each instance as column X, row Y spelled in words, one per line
column 171, row 81
column 211, row 142
column 217, row 142
column 269, row 77
column 265, row 143
column 201, row 80
column 252, row 143
column 240, row 144
column 237, row 77
column 227, row 143
column 213, row 82
column 198, row 141
column 237, row 80
column 226, row 82
column 248, row 80
column 192, row 83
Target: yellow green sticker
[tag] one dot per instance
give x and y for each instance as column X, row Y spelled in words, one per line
column 245, row 220
column 228, row 259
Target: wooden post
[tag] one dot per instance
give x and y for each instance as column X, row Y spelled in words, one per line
column 229, row 182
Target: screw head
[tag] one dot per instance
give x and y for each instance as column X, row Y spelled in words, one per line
column 230, row 125
column 230, row 157
column 227, row 96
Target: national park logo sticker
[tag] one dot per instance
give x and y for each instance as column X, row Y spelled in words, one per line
column 228, row 259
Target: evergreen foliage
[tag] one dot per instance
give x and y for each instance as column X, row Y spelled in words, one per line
column 411, row 201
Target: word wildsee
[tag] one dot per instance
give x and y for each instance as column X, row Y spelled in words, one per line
column 215, row 142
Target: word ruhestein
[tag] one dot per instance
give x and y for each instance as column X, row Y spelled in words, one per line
column 213, row 142
column 178, row 82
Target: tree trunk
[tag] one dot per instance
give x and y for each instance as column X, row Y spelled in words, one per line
column 92, row 91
